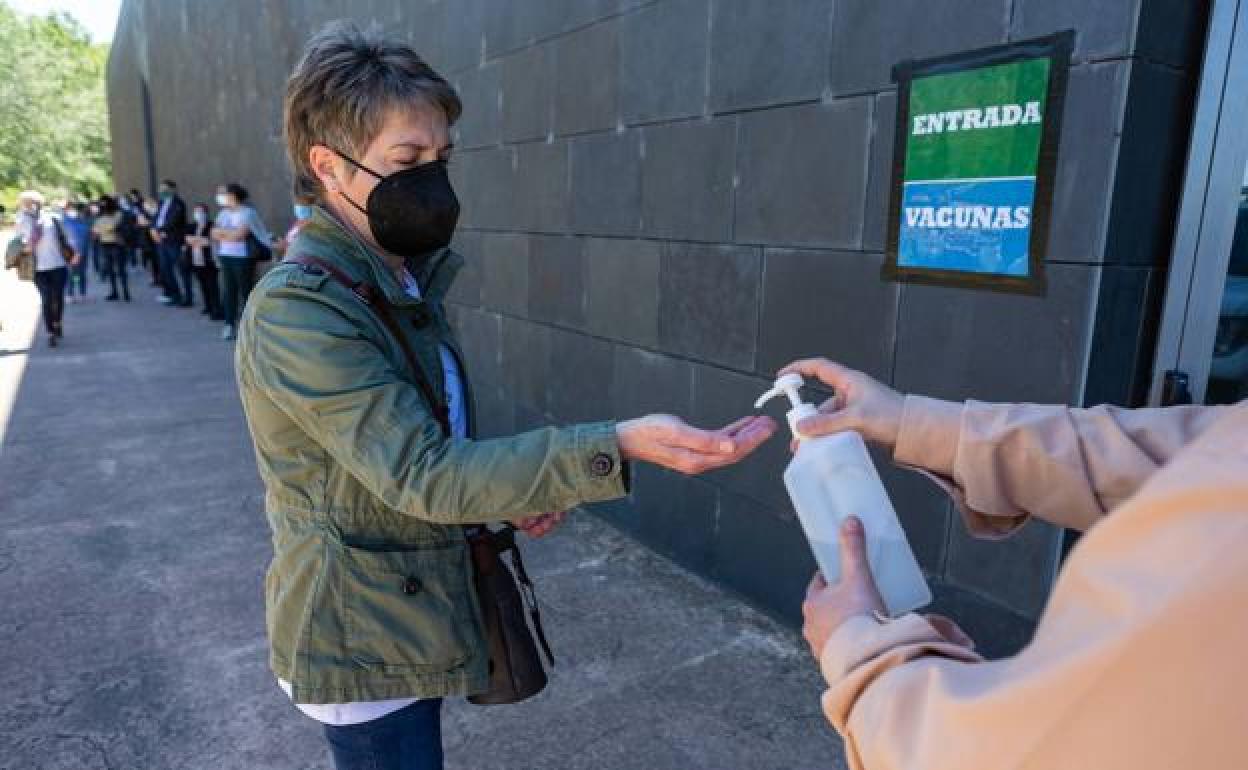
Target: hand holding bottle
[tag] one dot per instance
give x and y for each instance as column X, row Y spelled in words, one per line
column 860, row 403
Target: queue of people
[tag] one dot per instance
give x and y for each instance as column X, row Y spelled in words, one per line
column 60, row 246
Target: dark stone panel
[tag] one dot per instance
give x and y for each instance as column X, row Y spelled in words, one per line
column 496, row 413
column 686, row 180
column 880, row 176
column 763, row 556
column 1124, row 336
column 580, row 388
column 587, row 63
column 528, row 93
column 462, row 42
column 481, row 337
column 557, row 280
column 480, row 91
column 923, row 508
column 466, row 290
column 1152, row 157
column 869, row 37
column 484, row 180
column 526, row 361
column 827, row 303
column 769, row 53
column 677, row 515
column 650, row 383
column 1086, row 160
column 1103, row 30
column 606, row 184
column 505, row 273
column 541, row 184
column 963, row 343
column 998, row 632
column 802, row 175
column 722, row 397
column 708, row 303
column 623, row 289
column 1016, row 572
column 1173, row 32
column 663, row 55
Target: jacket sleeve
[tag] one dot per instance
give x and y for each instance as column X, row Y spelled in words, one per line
column 325, row 372
column 1002, row 463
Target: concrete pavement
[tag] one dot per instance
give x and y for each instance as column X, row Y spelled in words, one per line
column 132, row 549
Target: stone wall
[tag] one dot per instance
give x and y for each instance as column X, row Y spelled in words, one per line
column 666, row 200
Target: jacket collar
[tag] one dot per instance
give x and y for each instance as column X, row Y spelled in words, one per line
column 435, row 276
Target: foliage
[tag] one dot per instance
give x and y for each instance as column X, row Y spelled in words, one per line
column 53, row 114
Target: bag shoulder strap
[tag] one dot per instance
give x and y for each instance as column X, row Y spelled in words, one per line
column 375, row 300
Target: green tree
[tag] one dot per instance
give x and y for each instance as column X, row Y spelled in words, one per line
column 53, row 113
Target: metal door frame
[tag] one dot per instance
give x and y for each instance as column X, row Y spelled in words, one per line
column 1207, row 211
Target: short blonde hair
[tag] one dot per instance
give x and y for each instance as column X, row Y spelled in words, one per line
column 340, row 92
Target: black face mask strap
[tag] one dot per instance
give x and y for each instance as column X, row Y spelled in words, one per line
column 361, row 167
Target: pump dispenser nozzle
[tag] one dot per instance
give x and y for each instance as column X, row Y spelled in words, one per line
column 790, row 385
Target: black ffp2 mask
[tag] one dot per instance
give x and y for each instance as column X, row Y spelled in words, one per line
column 411, row 212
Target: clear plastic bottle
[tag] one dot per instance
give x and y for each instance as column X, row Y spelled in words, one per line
column 832, row 477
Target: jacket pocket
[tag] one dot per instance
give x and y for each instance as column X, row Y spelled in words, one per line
column 407, row 610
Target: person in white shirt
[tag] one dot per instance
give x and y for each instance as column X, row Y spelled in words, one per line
column 233, row 233
column 44, row 237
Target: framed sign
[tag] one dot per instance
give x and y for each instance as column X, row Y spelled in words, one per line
column 973, row 164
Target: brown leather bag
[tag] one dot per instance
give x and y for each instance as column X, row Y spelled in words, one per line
column 505, row 593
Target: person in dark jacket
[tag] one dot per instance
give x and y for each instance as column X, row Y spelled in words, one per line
column 203, row 262
column 169, row 234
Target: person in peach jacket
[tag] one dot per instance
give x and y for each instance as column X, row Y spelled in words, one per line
column 1140, row 659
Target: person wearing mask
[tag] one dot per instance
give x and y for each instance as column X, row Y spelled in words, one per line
column 1136, row 663
column 107, row 230
column 302, row 211
column 168, row 232
column 77, row 224
column 204, row 265
column 148, row 248
column 237, row 229
column 44, row 238
column 97, row 260
column 370, row 460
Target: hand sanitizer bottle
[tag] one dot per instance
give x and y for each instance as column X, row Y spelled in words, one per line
column 832, row 477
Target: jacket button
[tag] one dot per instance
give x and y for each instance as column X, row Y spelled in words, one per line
column 602, row 465
column 411, row 586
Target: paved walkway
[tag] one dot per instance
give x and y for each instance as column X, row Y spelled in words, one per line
column 132, row 549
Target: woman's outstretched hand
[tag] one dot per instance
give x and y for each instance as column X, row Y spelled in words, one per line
column 669, row 441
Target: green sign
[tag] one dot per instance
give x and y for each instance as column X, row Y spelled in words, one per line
column 973, row 168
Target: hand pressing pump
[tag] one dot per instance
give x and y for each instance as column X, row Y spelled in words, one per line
column 832, row 477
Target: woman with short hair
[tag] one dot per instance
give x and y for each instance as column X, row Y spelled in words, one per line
column 235, row 232
column 364, row 430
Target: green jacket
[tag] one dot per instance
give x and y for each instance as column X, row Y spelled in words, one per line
column 370, row 594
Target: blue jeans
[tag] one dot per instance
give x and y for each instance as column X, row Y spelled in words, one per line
column 407, row 739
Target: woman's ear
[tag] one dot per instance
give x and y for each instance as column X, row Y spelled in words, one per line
column 324, row 163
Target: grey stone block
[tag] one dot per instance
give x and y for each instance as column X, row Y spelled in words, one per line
column 768, row 53
column 462, row 42
column 466, row 290
column 802, row 175
column 663, row 61
column 557, row 280
column 588, row 67
column 708, row 303
column 481, row 337
column 686, row 180
column 606, row 184
column 1083, row 187
column 580, row 374
column 1103, row 30
column 505, row 273
column 650, row 383
column 540, row 202
column 526, row 362
column 495, row 413
column 510, row 25
column 528, row 93
column 485, row 182
column 1172, row 32
column 924, row 510
column 1017, row 572
column 480, row 92
column 827, row 303
column 880, row 177
column 623, row 289
column 869, row 37
column 763, row 556
column 722, row 397
column 962, row 343
column 1120, row 361
column 677, row 515
column 998, row 632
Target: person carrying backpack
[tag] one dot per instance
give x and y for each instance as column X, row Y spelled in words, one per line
column 50, row 253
